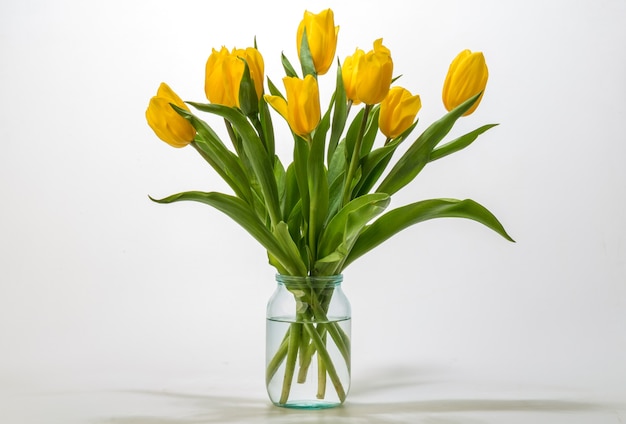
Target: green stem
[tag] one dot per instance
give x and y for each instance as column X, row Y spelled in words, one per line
column 295, row 331
column 278, row 358
column 326, row 359
column 319, row 309
column 341, row 339
column 304, row 347
column 321, row 371
column 356, row 157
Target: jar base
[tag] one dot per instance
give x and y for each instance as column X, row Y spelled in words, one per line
column 308, row 404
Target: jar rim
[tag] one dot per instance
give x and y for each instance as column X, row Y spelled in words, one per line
column 310, row 280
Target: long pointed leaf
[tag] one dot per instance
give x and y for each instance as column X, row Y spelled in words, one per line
column 212, row 149
column 257, row 155
column 241, row 213
column 340, row 115
column 306, row 60
column 418, row 155
column 371, row 131
column 459, row 143
column 400, row 218
column 267, row 127
column 289, row 69
column 317, row 183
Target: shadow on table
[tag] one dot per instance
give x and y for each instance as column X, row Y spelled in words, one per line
column 207, row 409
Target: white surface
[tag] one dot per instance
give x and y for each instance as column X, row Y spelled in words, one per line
column 114, row 309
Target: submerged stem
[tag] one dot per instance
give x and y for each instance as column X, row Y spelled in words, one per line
column 321, row 372
column 278, row 357
column 326, row 359
column 295, row 331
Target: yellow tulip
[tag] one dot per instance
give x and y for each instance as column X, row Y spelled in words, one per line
column 368, row 75
column 167, row 124
column 466, row 77
column 348, row 74
column 321, row 34
column 224, row 71
column 398, row 111
column 302, row 109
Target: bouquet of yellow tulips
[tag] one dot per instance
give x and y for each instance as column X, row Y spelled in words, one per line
column 326, row 208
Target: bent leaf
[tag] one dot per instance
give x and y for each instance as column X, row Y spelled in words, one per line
column 212, row 149
column 418, row 155
column 240, row 212
column 459, row 143
column 256, row 153
column 400, row 218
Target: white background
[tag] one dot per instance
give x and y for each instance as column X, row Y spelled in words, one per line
column 116, row 309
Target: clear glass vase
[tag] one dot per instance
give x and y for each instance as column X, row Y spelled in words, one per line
column 308, row 343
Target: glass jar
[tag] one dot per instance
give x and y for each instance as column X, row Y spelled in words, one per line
column 308, row 342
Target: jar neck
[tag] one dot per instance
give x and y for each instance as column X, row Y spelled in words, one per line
column 309, row 281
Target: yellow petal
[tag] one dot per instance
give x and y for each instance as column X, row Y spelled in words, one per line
column 279, row 104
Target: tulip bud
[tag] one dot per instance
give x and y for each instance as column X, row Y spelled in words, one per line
column 167, row 124
column 348, row 74
column 398, row 111
column 302, row 108
column 321, row 35
column 224, row 71
column 467, row 76
column 367, row 76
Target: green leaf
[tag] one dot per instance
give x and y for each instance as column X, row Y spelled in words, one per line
column 306, row 60
column 255, row 151
column 280, row 176
column 352, row 134
column 248, row 100
column 289, row 69
column 336, row 174
column 371, row 131
column 344, row 228
column 400, row 218
column 374, row 164
column 317, row 183
column 320, row 132
column 458, row 143
column 292, row 194
column 241, row 213
column 340, row 115
column 418, row 155
column 300, row 162
column 274, row 91
column 213, row 150
column 267, row 128
column 283, row 236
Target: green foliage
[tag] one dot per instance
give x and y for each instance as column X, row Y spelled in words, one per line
column 322, row 212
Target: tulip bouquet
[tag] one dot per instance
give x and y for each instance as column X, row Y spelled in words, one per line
column 323, row 210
